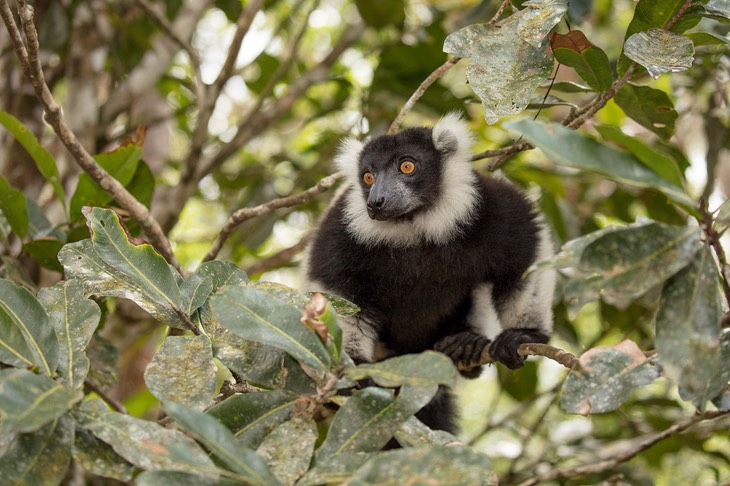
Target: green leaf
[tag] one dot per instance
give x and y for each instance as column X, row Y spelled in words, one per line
column 660, row 51
column 422, row 370
column 221, row 443
column 142, row 185
column 120, row 163
column 413, row 433
column 650, row 14
column 505, row 69
column 99, row 458
column 176, row 478
column 13, row 348
column 658, row 162
column 571, row 251
column 41, row 457
column 183, row 371
column 371, row 416
column 289, row 448
column 195, row 291
column 29, row 401
column 75, row 318
column 42, row 158
column 335, row 469
column 590, row 62
column 343, row 307
column 267, row 65
column 649, row 107
column 81, row 261
column 431, row 465
column 221, row 273
column 251, row 416
column 567, row 147
column 145, row 444
column 521, row 386
column 633, row 260
column 570, row 87
column 22, row 310
column 141, row 263
column 291, row 296
column 688, row 332
column 45, row 252
column 12, row 205
column 382, row 14
column 262, row 365
column 38, row 224
column 606, row 377
column 708, row 39
column 257, row 316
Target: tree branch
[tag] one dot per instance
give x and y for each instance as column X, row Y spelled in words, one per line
column 528, row 349
column 245, row 214
column 207, row 98
column 119, row 407
column 436, row 74
column 169, row 30
column 258, row 121
column 601, row 466
column 28, row 55
column 278, row 259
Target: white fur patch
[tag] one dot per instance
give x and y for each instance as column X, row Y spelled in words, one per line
column 347, row 159
column 439, row 224
column 534, row 303
column 483, row 316
column 358, row 338
column 530, row 306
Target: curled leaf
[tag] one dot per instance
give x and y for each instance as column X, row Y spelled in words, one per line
column 660, row 51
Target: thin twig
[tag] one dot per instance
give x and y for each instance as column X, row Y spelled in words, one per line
column 278, row 259
column 169, row 30
column 436, row 74
column 28, row 54
column 245, row 214
column 499, row 12
column 115, row 404
column 601, row 466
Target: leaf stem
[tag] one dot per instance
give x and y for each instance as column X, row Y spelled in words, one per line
column 713, row 239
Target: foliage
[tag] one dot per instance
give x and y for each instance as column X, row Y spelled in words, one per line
column 248, row 382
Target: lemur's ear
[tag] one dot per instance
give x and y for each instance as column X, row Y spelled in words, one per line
column 451, row 134
column 347, row 159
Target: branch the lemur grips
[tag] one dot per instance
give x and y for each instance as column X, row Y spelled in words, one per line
column 434, row 255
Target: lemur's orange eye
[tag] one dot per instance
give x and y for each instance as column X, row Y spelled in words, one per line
column 368, row 178
column 407, row 167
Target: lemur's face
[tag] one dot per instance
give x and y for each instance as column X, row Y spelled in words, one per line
column 400, row 174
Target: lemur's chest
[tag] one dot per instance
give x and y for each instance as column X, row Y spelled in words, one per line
column 424, row 284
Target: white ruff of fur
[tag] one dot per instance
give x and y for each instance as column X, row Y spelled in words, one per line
column 438, row 225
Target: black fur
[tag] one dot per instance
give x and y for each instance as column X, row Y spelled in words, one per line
column 418, row 297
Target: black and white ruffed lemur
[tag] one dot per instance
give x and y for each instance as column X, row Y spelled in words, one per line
column 433, row 253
